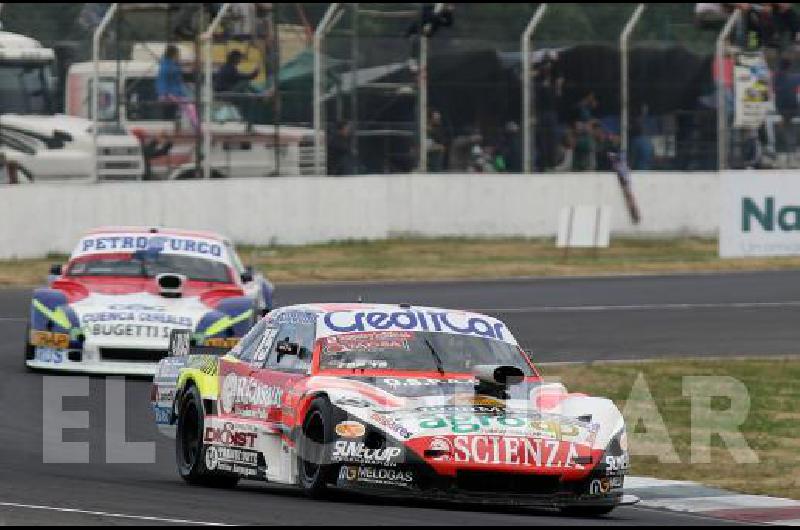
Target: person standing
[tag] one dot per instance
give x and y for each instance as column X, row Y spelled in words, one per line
column 786, row 104
column 170, row 86
column 438, row 143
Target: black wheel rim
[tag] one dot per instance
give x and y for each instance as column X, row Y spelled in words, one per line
column 313, row 447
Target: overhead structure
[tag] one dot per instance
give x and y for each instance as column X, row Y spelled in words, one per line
column 528, row 108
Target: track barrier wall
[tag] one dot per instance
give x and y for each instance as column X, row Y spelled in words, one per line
column 43, row 218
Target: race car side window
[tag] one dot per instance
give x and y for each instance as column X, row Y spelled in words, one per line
column 249, row 345
column 299, row 333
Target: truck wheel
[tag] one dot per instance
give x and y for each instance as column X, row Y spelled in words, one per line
column 190, row 451
column 313, row 448
column 587, row 511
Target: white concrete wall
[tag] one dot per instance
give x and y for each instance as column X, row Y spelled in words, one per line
column 42, row 218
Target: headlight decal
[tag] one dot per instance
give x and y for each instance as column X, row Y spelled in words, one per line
column 227, row 322
column 57, row 316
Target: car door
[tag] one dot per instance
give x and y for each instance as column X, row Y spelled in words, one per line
column 243, row 393
column 286, row 370
column 283, row 373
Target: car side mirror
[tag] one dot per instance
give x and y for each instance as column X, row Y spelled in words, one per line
column 247, row 274
column 56, row 269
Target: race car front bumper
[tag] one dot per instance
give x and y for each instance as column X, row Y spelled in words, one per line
column 89, row 360
column 97, row 367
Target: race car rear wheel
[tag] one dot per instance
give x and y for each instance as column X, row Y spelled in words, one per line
column 587, row 511
column 189, row 447
column 316, row 437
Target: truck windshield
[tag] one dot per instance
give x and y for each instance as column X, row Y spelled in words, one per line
column 25, row 88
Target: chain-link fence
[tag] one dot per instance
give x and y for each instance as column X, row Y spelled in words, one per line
column 442, row 87
column 651, row 93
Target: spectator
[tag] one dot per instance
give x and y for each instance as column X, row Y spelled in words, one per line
column 170, row 86
column 787, row 25
column 340, row 154
column 462, row 150
column 438, row 142
column 567, row 151
column 786, row 84
column 641, row 149
column 510, row 149
column 230, row 79
column 548, row 87
column 604, row 144
column 584, row 146
column 152, row 148
column 587, row 107
column 481, row 160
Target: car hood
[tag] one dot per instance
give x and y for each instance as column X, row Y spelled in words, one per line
column 136, row 319
column 538, row 420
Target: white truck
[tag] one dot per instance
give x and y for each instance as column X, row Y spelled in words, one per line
column 45, row 146
column 238, row 149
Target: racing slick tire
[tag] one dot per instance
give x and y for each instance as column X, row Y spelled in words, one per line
column 587, row 511
column 313, row 459
column 189, row 447
column 30, row 350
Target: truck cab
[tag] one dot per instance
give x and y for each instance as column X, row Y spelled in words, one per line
column 44, row 145
column 238, row 148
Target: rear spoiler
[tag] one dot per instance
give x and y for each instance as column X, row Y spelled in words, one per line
column 180, row 345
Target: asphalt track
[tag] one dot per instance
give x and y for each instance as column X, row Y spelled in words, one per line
column 559, row 319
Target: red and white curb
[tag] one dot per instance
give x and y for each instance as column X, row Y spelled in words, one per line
column 695, row 498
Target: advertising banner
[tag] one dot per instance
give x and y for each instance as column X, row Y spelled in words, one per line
column 760, row 214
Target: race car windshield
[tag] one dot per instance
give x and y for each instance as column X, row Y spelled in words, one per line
column 147, row 266
column 420, row 351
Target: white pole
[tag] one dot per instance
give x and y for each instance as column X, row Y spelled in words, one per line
column 527, row 133
column 423, row 103
column 208, row 88
column 98, row 35
column 722, row 116
column 319, row 34
column 624, row 100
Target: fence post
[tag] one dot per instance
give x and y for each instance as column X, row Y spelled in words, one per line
column 208, row 96
column 624, row 78
column 319, row 34
column 722, row 117
column 423, row 103
column 527, row 108
column 98, row 34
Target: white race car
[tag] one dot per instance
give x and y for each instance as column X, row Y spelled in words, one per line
column 112, row 307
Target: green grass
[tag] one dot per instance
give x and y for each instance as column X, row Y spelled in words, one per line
column 421, row 259
column 772, row 428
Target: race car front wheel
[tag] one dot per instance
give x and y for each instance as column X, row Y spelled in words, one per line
column 30, row 350
column 189, row 447
column 313, row 446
